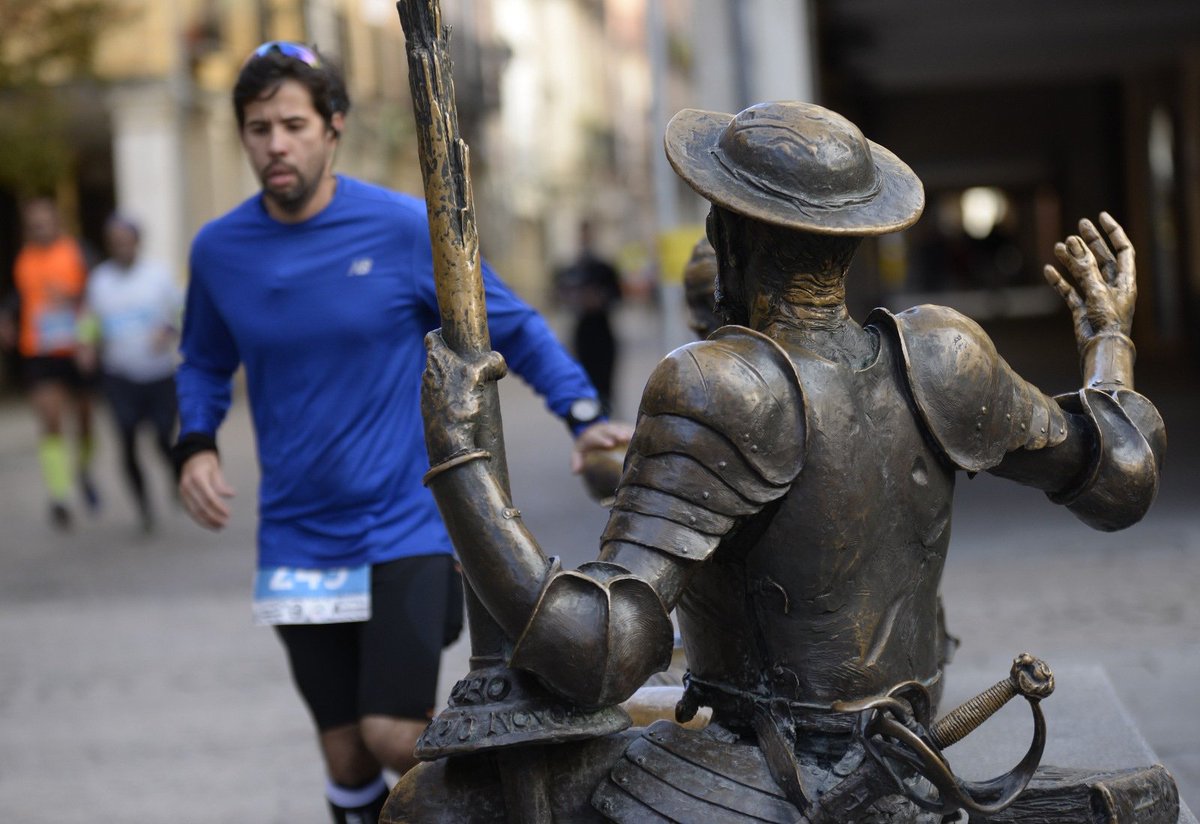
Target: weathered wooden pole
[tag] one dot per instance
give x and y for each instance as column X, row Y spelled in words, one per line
column 445, row 169
column 457, row 270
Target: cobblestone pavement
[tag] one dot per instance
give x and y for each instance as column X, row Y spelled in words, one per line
column 133, row 686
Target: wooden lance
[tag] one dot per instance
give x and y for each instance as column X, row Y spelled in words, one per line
column 445, row 169
column 457, row 271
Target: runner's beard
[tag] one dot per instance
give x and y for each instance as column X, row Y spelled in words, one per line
column 297, row 196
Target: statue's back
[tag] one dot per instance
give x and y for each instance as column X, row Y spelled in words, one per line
column 842, row 575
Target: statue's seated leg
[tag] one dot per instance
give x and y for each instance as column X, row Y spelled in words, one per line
column 672, row 774
column 469, row 789
column 675, row 774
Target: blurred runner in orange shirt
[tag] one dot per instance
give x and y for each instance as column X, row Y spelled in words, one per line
column 49, row 275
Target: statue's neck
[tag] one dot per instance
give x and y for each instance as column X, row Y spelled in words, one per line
column 806, row 301
column 811, row 312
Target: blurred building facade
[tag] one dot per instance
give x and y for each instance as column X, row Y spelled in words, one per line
column 551, row 93
column 151, row 129
column 1020, row 118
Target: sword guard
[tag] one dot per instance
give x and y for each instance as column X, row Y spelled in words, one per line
column 897, row 730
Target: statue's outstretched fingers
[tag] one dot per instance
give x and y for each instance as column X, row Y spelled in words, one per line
column 1104, row 256
column 1124, row 250
column 1065, row 289
column 1082, row 264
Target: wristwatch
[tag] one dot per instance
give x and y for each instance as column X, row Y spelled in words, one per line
column 583, row 411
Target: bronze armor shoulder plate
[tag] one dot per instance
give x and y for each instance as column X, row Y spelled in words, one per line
column 976, row 408
column 720, row 433
column 741, row 385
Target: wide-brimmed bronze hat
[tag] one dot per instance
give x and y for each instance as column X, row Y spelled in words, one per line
column 796, row 165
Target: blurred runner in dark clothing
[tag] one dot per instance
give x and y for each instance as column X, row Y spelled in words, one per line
column 590, row 287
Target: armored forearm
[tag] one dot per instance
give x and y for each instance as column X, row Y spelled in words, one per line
column 499, row 557
column 1097, row 451
column 1106, row 361
column 596, row 634
column 1106, row 469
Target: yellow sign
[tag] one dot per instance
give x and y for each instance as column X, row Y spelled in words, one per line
column 674, row 250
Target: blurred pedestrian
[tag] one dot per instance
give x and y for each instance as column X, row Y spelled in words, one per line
column 133, row 306
column 48, row 278
column 322, row 287
column 590, row 287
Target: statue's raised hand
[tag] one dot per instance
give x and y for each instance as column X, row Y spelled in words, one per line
column 1101, row 294
column 451, row 397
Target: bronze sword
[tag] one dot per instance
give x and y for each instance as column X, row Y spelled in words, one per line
column 1029, row 677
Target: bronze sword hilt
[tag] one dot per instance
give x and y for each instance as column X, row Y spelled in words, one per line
column 1030, row 677
column 897, row 729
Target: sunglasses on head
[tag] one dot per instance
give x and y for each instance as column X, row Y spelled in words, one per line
column 295, row 50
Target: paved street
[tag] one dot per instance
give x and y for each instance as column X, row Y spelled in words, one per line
column 133, row 686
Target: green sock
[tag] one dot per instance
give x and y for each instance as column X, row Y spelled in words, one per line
column 56, row 466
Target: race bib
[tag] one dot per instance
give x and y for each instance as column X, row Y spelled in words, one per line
column 131, row 323
column 287, row 595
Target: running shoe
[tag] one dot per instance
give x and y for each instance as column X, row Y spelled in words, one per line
column 60, row 516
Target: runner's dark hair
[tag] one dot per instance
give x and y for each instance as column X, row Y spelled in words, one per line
column 262, row 76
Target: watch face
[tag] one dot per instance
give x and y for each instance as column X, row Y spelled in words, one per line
column 585, row 410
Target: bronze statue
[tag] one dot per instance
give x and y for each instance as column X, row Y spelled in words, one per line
column 788, row 492
column 699, row 286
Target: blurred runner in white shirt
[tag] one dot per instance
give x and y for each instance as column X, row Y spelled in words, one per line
column 134, row 306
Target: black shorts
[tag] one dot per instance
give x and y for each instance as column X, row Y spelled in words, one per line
column 132, row 402
column 53, row 369
column 389, row 664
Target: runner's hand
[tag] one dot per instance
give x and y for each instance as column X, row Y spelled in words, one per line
column 203, row 490
column 87, row 360
column 599, row 437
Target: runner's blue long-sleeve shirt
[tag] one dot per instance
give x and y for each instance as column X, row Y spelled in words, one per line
column 328, row 316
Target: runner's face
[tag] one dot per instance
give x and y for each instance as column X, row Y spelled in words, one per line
column 41, row 223
column 122, row 244
column 291, row 149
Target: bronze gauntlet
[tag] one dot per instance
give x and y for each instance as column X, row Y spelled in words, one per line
column 596, row 634
column 1129, row 439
